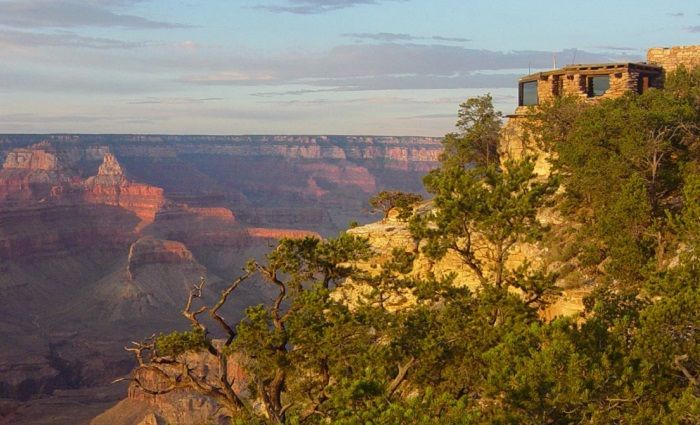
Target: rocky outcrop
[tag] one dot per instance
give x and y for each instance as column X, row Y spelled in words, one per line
column 196, row 227
column 264, row 233
column 386, row 235
column 31, row 159
column 46, row 210
column 31, row 174
column 148, row 250
column 111, row 187
column 180, row 407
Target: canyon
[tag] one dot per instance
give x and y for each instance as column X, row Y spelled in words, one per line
column 101, row 237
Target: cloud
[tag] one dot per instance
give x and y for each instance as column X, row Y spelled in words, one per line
column 676, row 14
column 173, row 100
column 695, row 28
column 72, row 13
column 618, row 48
column 310, row 7
column 64, row 39
column 80, row 83
column 381, row 36
column 390, row 66
column 453, row 39
column 430, row 117
column 31, row 118
column 396, row 37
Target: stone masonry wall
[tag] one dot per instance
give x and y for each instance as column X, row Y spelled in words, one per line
column 620, row 83
column 669, row 58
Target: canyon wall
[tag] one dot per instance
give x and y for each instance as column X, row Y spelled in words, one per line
column 301, row 182
column 101, row 237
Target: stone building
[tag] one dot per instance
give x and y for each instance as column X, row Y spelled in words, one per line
column 589, row 82
column 670, row 58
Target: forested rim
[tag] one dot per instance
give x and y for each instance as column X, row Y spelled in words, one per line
column 626, row 183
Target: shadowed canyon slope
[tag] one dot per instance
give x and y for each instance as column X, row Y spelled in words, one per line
column 100, row 236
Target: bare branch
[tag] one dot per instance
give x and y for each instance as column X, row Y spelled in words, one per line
column 677, row 361
column 400, row 376
column 214, row 312
column 195, row 292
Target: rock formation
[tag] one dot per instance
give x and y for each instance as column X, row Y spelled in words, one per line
column 111, row 187
column 180, row 407
column 318, row 182
column 101, row 236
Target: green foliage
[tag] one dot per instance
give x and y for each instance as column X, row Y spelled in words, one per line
column 623, row 162
column 386, row 200
column 684, row 84
column 416, row 348
column 176, row 343
column 479, row 126
column 481, row 213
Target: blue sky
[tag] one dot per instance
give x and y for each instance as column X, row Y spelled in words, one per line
column 391, row 67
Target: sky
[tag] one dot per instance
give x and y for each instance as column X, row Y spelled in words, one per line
column 367, row 67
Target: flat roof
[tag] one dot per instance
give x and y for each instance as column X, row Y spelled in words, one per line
column 598, row 68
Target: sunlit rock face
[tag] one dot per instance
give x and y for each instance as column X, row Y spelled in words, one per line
column 111, row 187
column 392, row 233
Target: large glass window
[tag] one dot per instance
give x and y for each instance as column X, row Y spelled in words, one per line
column 528, row 93
column 598, row 85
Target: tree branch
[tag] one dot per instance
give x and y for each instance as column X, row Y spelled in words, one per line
column 214, row 312
column 195, row 292
column 677, row 362
column 400, row 376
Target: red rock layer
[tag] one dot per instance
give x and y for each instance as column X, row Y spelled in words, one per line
column 148, row 250
column 45, row 211
column 198, row 227
column 111, row 187
column 263, row 233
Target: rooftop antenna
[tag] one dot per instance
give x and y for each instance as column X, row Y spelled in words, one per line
column 554, row 60
column 529, row 65
column 573, row 61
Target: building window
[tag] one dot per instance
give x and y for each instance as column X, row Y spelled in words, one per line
column 528, row 93
column 598, row 85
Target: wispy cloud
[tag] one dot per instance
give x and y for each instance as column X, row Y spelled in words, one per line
column 618, row 48
column 381, row 36
column 387, row 66
column 397, row 37
column 452, row 39
column 72, row 13
column 77, row 83
column 676, row 14
column 173, row 100
column 13, row 38
column 430, row 117
column 310, row 7
column 695, row 28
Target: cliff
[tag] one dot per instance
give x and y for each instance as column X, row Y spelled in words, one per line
column 102, row 236
column 386, row 235
column 111, row 187
column 319, row 182
column 180, row 407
